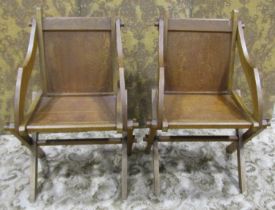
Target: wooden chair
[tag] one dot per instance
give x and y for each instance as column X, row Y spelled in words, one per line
column 196, row 61
column 81, row 63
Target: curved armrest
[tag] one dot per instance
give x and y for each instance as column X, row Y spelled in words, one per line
column 122, row 92
column 23, row 77
column 252, row 76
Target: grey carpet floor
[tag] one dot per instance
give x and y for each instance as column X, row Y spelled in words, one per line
column 193, row 176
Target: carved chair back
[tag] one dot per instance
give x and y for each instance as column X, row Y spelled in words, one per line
column 197, row 54
column 78, row 55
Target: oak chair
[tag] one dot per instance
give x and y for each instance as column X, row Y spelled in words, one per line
column 81, row 64
column 196, row 63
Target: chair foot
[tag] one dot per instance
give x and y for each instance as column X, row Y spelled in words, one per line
column 148, row 149
column 156, row 168
column 130, row 140
column 241, row 164
column 40, row 153
column 231, row 148
column 34, row 168
column 124, row 173
column 150, row 139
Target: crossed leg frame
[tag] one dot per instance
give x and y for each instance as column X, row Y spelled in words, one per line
column 35, row 155
column 237, row 145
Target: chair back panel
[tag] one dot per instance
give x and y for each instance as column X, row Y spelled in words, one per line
column 197, row 58
column 77, row 57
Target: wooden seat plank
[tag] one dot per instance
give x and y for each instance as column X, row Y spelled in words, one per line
column 203, row 110
column 74, row 110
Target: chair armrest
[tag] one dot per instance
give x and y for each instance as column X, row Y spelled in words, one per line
column 252, row 76
column 122, row 92
column 23, row 77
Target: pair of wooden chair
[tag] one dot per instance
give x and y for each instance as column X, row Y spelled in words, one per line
column 82, row 70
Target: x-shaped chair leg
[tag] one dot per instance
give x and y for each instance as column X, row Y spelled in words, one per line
column 124, row 172
column 241, row 163
column 34, row 166
column 156, row 168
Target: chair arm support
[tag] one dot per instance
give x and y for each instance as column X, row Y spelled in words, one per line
column 161, row 42
column 123, row 98
column 122, row 92
column 252, row 76
column 119, row 44
column 161, row 81
column 160, row 99
column 23, row 77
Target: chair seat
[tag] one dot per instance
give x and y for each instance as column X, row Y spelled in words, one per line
column 74, row 113
column 203, row 111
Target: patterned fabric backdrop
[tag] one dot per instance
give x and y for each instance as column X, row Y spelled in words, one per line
column 139, row 39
